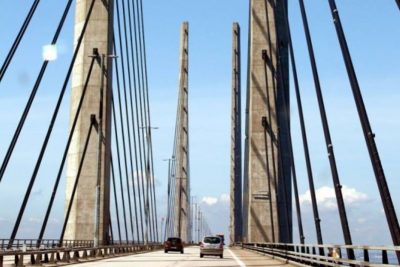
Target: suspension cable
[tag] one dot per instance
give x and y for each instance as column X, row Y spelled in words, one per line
column 147, row 127
column 317, row 220
column 115, row 200
column 93, row 123
column 129, row 65
column 50, row 129
column 32, row 96
column 145, row 93
column 369, row 136
column 327, row 135
column 138, row 143
column 286, row 124
column 119, row 165
column 18, row 39
column 127, row 116
column 71, row 134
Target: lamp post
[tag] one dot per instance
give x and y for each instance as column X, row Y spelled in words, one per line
column 161, row 233
column 99, row 148
column 192, row 219
column 198, row 224
column 168, row 220
column 147, row 135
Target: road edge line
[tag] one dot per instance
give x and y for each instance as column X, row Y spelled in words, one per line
column 241, row 264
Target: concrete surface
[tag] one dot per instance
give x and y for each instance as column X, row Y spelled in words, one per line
column 232, row 258
column 182, row 208
column 81, row 223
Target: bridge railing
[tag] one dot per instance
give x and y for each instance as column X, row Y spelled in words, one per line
column 66, row 255
column 29, row 244
column 19, row 244
column 328, row 255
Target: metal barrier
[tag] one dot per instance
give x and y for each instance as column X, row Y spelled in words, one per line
column 71, row 255
column 45, row 243
column 328, row 255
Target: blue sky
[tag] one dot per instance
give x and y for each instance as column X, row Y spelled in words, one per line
column 373, row 33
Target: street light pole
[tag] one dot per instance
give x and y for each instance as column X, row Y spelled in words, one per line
column 100, row 150
column 168, row 219
column 198, row 224
column 99, row 154
column 161, row 233
column 148, row 181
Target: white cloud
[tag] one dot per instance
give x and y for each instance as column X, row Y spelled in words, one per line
column 222, row 199
column 49, row 52
column 326, row 197
column 209, row 200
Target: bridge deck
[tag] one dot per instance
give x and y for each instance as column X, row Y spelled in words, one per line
column 232, row 258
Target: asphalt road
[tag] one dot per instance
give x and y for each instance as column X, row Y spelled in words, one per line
column 191, row 258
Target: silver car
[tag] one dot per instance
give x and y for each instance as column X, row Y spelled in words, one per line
column 212, row 245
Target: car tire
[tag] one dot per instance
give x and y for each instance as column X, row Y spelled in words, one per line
column 165, row 251
column 201, row 255
column 182, row 251
column 221, row 256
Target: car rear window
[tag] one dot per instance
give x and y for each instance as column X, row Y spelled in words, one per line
column 212, row 240
column 175, row 240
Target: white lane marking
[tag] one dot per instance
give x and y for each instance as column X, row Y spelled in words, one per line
column 241, row 264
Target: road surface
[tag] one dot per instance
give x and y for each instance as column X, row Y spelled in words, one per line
column 232, row 258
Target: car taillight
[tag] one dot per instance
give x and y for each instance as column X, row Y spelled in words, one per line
column 221, row 245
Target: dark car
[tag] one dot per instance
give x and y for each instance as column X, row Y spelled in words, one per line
column 173, row 244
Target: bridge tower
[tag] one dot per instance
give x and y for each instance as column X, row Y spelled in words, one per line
column 236, row 139
column 84, row 213
column 267, row 187
column 182, row 205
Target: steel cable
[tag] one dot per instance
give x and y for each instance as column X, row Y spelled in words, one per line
column 137, row 142
column 61, row 168
column 93, row 123
column 317, row 220
column 327, row 135
column 32, row 96
column 369, row 136
column 50, row 129
column 127, row 116
column 18, row 39
column 119, row 164
column 131, row 108
column 115, row 201
column 148, row 114
column 147, row 132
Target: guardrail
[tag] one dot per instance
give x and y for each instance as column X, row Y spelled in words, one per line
column 328, row 255
column 53, row 243
column 45, row 243
column 39, row 257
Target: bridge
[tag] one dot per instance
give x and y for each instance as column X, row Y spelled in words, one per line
column 311, row 183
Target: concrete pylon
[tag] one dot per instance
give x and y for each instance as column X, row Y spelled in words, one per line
column 182, row 205
column 267, row 163
column 81, row 224
column 236, row 139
